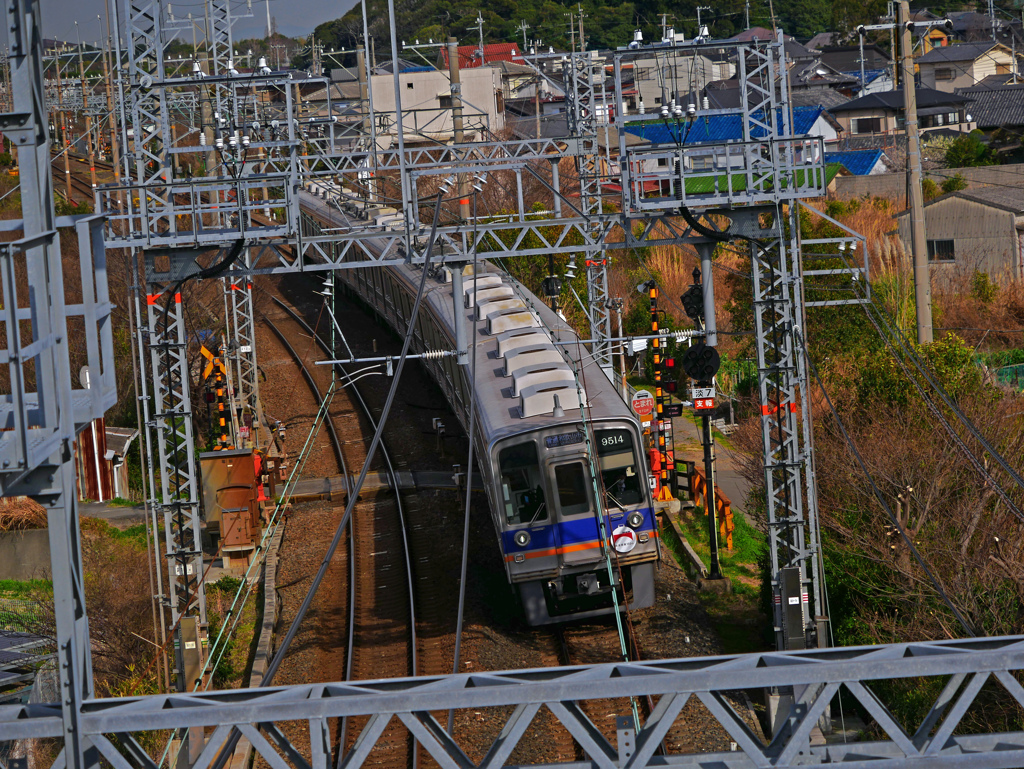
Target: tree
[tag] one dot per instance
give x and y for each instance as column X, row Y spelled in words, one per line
column 968, row 151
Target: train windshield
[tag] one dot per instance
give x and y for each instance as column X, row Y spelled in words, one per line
column 619, row 470
column 522, row 488
column 571, row 480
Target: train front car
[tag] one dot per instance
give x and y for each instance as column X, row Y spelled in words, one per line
column 551, row 539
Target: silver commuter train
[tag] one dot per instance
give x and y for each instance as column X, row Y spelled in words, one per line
column 530, row 442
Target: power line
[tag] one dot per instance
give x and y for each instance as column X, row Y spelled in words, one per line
column 880, row 497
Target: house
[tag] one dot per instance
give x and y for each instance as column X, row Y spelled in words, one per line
column 426, row 100
column 100, row 461
column 978, row 229
column 882, row 113
column 846, row 58
column 861, row 162
column 996, row 106
column 971, row 26
column 707, row 136
column 756, row 33
column 963, row 65
column 517, row 80
column 875, row 81
column 658, row 80
column 473, row 56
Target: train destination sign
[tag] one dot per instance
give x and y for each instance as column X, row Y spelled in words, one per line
column 564, row 439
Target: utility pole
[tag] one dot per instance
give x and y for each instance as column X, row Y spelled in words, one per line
column 700, row 27
column 479, row 27
column 88, row 117
column 746, row 13
column 457, row 129
column 65, row 143
column 572, row 28
column 992, row 18
column 860, row 38
column 523, row 26
column 919, row 244
column 583, row 40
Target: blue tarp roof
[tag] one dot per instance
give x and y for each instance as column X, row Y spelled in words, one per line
column 857, row 162
column 869, row 74
column 717, row 128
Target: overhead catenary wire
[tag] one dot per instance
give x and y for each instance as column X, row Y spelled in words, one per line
column 881, row 497
column 353, row 497
column 908, row 353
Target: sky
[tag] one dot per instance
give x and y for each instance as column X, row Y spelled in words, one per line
column 294, row 17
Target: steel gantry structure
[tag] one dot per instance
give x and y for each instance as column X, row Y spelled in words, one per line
column 183, row 228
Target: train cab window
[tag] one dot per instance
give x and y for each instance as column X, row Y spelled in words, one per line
column 522, row 488
column 619, row 470
column 571, row 480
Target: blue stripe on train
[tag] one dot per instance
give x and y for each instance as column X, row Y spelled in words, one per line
column 570, row 532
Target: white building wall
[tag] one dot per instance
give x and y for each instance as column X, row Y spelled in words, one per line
column 422, row 94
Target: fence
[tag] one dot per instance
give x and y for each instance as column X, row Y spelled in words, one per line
column 17, row 615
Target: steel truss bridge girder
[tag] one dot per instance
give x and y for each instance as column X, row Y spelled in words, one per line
column 814, row 677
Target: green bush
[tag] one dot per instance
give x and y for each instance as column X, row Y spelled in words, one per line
column 929, row 188
column 954, row 183
column 983, row 288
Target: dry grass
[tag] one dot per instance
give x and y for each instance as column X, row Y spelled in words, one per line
column 18, row 513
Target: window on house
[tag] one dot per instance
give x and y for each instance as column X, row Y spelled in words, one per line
column 408, row 85
column 446, row 102
column 657, row 100
column 703, row 163
column 952, row 118
column 1002, row 69
column 944, row 73
column 940, row 251
column 867, row 125
column 662, row 162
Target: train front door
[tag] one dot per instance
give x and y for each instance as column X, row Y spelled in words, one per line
column 579, row 537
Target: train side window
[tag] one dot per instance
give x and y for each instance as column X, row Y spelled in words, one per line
column 522, row 488
column 617, row 460
column 571, row 480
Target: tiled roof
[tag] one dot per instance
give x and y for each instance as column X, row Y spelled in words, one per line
column 469, row 55
column 857, row 162
column 997, row 106
column 1006, row 198
column 717, row 128
column 961, row 52
column 893, row 100
column 817, row 97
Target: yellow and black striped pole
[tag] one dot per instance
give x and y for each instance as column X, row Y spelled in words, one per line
column 664, row 487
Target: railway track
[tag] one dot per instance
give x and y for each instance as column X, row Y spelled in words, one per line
column 381, row 625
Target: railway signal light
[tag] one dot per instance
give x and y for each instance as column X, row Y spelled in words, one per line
column 693, row 303
column 701, row 362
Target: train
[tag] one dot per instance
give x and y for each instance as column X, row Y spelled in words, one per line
column 542, row 458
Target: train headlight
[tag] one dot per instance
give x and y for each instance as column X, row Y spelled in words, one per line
column 635, row 519
column 522, row 538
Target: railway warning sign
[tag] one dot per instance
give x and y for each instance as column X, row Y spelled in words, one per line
column 643, row 403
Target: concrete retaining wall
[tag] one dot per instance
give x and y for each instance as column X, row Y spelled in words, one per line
column 894, row 186
column 25, row 555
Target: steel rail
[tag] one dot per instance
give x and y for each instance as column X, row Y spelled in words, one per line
column 392, row 477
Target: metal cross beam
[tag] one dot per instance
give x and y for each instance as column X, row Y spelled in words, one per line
column 966, row 667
